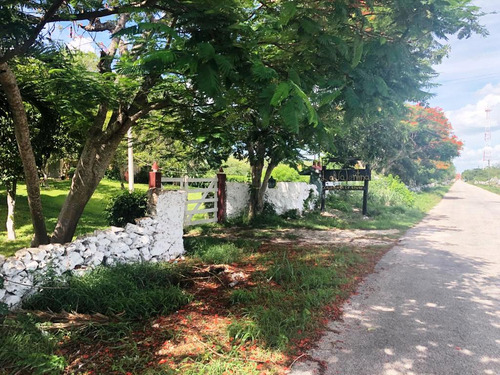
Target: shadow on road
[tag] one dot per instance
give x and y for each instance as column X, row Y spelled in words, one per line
column 443, row 318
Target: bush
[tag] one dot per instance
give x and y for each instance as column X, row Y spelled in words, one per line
column 390, row 191
column 237, row 178
column 126, row 207
column 113, row 173
column 142, row 177
column 284, row 173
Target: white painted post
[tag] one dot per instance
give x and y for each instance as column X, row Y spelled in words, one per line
column 130, row 144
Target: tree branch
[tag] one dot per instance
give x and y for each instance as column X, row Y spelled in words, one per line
column 102, row 12
column 28, row 43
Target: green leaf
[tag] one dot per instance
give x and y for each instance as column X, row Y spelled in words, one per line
column 313, row 118
column 207, row 80
column 281, row 93
column 382, row 87
column 262, row 72
column 206, row 51
column 288, row 10
column 327, row 99
column 159, row 57
column 357, row 54
column 290, row 116
column 147, row 26
column 294, row 76
column 224, row 65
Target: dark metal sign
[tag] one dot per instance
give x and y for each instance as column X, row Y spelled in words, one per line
column 337, row 179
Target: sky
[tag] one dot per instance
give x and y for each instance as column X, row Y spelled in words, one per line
column 469, row 82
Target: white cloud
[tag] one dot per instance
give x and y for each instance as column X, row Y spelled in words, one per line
column 469, row 124
column 82, row 44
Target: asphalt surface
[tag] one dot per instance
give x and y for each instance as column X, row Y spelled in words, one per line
column 433, row 304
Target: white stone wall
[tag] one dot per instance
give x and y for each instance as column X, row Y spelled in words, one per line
column 153, row 239
column 284, row 197
column 290, row 196
column 237, row 198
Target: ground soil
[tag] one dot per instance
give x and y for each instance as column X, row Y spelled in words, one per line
column 201, row 326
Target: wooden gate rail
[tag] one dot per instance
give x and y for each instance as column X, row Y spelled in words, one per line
column 210, row 196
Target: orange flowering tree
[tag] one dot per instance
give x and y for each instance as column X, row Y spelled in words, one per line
column 427, row 146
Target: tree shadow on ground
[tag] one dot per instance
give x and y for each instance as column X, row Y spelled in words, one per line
column 426, row 311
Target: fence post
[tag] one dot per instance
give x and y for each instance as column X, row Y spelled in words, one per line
column 155, row 177
column 365, row 191
column 154, row 188
column 221, row 196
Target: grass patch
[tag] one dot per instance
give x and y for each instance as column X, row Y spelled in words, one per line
column 135, row 291
column 492, row 188
column 248, row 329
column 214, row 250
column 53, row 197
column 25, row 346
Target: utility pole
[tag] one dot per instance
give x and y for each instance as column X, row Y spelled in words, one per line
column 487, row 140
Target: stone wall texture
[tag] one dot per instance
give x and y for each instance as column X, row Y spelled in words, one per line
column 284, row 197
column 237, row 198
column 151, row 239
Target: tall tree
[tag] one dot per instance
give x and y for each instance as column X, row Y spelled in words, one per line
column 20, row 31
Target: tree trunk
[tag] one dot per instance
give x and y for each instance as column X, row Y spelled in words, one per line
column 11, row 209
column 259, row 187
column 94, row 160
column 11, row 89
column 256, row 202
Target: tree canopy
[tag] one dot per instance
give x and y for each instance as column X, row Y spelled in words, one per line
column 258, row 79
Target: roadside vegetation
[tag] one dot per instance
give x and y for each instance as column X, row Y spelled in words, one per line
column 249, row 298
column 485, row 178
column 492, row 188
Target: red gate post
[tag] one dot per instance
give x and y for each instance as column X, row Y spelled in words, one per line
column 155, row 177
column 221, row 196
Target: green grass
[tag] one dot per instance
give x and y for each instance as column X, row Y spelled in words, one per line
column 52, row 200
column 219, row 250
column 136, row 291
column 308, row 279
column 492, row 188
column 25, row 346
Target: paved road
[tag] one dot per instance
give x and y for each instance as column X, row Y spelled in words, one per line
column 433, row 304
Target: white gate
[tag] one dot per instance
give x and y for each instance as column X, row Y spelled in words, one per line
column 201, row 200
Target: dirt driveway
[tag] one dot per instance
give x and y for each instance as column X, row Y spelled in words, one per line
column 433, row 304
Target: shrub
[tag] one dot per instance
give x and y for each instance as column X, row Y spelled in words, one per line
column 391, row 191
column 125, row 208
column 284, row 173
column 113, row 173
column 237, row 178
column 293, row 214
